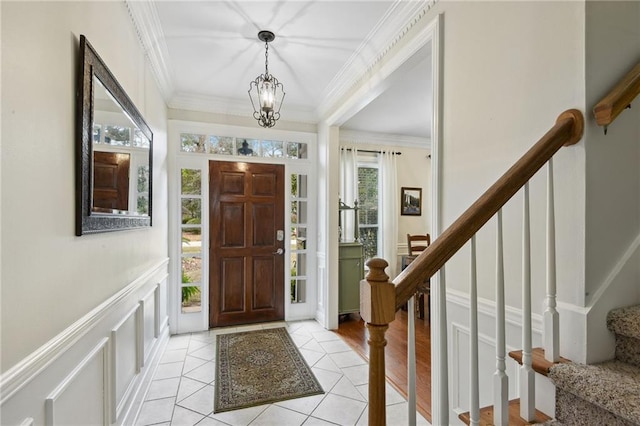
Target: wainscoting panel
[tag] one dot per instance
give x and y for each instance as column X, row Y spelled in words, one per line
column 460, row 346
column 149, row 311
column 80, row 395
column 92, row 373
column 460, row 367
column 157, row 322
column 125, row 359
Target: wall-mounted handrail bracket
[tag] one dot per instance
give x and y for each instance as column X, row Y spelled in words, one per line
column 618, row 99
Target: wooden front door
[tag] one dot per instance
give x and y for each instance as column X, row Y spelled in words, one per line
column 246, row 280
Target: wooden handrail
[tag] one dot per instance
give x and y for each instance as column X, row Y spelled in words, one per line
column 567, row 131
column 620, row 97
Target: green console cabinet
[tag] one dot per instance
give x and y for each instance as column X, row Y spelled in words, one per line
column 351, row 271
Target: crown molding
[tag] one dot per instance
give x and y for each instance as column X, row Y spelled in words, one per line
column 356, row 137
column 389, row 31
column 220, row 105
column 145, row 19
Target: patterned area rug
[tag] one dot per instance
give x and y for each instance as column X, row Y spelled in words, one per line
column 260, row 367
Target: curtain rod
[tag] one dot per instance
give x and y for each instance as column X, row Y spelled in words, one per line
column 371, row 151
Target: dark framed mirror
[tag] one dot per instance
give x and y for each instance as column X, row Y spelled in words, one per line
column 113, row 155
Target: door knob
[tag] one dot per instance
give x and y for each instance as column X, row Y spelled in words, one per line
column 279, row 251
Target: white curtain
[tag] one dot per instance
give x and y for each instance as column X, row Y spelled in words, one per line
column 390, row 206
column 348, row 191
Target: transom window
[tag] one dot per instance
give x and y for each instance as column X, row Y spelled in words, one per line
column 242, row 147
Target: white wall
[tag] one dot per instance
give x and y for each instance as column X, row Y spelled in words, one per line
column 414, row 170
column 613, row 216
column 612, row 173
column 72, row 308
column 234, row 120
column 50, row 278
column 510, row 68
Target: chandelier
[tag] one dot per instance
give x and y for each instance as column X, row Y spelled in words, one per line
column 266, row 91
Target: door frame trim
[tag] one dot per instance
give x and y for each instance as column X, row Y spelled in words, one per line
column 431, row 32
column 194, row 322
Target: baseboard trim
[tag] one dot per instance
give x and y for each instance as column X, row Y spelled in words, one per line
column 22, row 373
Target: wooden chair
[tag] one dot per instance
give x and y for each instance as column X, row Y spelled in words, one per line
column 416, row 244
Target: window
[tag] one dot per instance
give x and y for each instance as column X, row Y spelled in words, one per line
column 143, row 190
column 298, row 237
column 191, row 247
column 368, row 214
column 192, row 147
column 226, row 145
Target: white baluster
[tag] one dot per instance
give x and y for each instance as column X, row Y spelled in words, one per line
column 500, row 379
column 440, row 365
column 475, row 372
column 527, row 375
column 411, row 360
column 551, row 317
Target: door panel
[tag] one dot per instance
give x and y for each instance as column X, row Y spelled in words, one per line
column 264, row 298
column 232, row 225
column 246, row 280
column 233, row 289
column 232, row 184
column 263, row 184
column 263, row 223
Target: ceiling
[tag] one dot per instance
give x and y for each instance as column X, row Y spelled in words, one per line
column 205, row 53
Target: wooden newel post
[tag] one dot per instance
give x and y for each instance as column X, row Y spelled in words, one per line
column 377, row 309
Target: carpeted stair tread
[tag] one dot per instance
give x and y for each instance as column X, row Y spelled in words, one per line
column 612, row 385
column 628, row 350
column 625, row 321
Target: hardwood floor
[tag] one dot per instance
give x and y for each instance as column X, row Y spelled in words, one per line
column 354, row 332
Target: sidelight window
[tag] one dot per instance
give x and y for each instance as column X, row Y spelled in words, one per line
column 298, row 237
column 191, row 246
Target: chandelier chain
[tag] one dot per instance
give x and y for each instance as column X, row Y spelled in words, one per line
column 266, row 58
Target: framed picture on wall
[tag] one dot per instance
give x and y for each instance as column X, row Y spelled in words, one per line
column 410, row 201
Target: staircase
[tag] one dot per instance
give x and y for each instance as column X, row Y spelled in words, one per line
column 607, row 393
column 601, row 394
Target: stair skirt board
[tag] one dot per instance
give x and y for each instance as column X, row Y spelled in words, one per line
column 572, row 410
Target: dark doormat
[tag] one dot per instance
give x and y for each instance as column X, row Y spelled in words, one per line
column 260, row 367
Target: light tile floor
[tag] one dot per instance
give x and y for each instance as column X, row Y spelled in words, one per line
column 182, row 389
